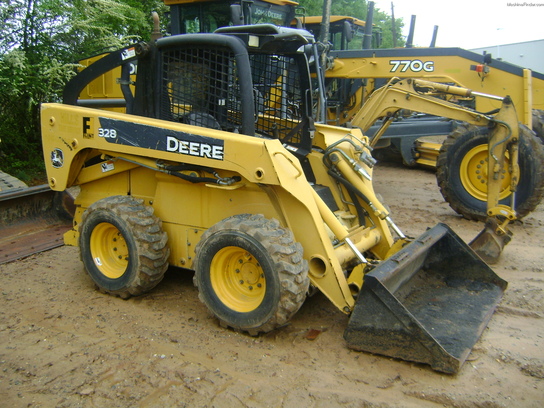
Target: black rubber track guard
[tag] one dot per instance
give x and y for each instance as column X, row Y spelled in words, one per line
column 429, row 303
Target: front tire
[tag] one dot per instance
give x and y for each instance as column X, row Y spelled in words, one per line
column 250, row 273
column 462, row 172
column 122, row 246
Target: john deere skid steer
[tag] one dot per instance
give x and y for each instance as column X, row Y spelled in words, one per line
column 219, row 166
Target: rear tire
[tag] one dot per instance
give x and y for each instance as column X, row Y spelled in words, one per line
column 122, row 246
column 250, row 273
column 462, row 172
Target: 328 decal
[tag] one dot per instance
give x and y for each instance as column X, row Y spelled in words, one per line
column 107, row 133
column 411, row 65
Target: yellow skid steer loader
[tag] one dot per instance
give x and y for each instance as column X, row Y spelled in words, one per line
column 219, row 166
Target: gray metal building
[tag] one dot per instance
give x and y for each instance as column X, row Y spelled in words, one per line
column 528, row 54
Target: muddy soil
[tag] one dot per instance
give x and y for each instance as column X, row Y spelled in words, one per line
column 64, row 344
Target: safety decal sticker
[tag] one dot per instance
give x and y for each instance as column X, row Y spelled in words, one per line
column 107, row 166
column 128, row 53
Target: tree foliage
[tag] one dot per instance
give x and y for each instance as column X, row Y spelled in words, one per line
column 40, row 44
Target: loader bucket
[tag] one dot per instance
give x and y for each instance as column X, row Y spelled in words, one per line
column 428, row 303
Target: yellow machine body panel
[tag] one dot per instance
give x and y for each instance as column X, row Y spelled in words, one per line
column 310, row 20
column 272, row 183
column 452, row 66
column 106, row 87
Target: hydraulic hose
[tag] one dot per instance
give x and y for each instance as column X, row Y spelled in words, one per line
column 353, row 192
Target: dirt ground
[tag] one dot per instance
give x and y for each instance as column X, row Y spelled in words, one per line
column 64, row 344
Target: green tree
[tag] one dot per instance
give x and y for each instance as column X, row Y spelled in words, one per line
column 40, row 44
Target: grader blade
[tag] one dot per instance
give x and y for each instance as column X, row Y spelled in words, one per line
column 489, row 243
column 429, row 303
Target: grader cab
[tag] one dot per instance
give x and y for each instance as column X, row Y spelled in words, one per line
column 219, row 166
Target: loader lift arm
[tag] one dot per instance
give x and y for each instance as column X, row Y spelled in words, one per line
column 419, row 95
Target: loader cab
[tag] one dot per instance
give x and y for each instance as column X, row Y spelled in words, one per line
column 251, row 80
column 345, row 33
column 186, row 17
column 205, row 16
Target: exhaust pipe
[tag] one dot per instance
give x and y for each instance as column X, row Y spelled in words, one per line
column 410, row 40
column 433, row 40
column 367, row 41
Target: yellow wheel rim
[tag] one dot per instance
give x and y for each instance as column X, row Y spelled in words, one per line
column 237, row 279
column 109, row 250
column 473, row 173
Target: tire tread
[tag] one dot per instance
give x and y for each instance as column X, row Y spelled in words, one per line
column 285, row 253
column 149, row 236
column 535, row 160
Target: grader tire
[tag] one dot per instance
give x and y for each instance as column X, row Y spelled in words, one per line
column 462, row 172
column 538, row 123
column 250, row 273
column 122, row 246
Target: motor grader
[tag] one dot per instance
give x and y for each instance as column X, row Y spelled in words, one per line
column 218, row 166
column 468, row 79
